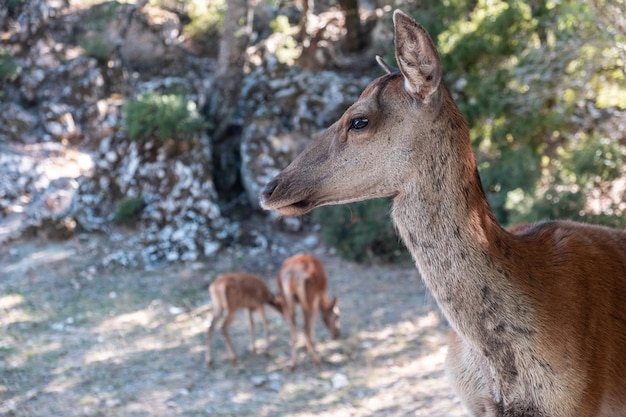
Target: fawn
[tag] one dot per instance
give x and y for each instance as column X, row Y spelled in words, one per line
column 302, row 281
column 234, row 291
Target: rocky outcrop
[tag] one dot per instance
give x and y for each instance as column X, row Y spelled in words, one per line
column 66, row 159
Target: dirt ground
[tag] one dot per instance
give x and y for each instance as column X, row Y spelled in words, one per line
column 81, row 340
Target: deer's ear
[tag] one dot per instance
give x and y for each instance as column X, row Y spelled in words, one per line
column 417, row 57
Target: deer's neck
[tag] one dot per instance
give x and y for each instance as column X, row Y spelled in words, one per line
column 445, row 221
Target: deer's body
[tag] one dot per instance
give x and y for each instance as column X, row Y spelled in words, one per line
column 538, row 313
column 302, row 281
column 235, row 291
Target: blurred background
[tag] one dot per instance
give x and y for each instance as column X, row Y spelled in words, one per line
column 167, row 116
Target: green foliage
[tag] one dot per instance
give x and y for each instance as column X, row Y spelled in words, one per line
column 9, row 68
column 128, row 210
column 94, row 24
column 285, row 46
column 519, row 70
column 483, row 54
column 361, row 231
column 592, row 160
column 281, row 25
column 584, row 165
column 96, row 47
column 206, row 19
column 13, row 6
column 163, row 116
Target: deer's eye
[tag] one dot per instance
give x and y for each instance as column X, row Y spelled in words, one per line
column 358, row 123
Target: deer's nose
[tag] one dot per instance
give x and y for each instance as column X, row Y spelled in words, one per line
column 269, row 188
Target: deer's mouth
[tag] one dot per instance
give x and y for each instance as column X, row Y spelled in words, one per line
column 291, row 209
column 296, row 209
column 271, row 200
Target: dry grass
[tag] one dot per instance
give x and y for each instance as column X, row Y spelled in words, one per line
column 77, row 341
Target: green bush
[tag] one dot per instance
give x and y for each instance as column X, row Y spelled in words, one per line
column 361, row 231
column 9, row 68
column 519, row 72
column 286, row 47
column 584, row 164
column 206, row 20
column 128, row 210
column 96, row 47
column 164, row 116
column 14, row 7
column 95, row 23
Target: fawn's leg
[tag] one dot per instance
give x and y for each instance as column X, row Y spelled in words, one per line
column 290, row 315
column 252, row 344
column 309, row 329
column 266, row 332
column 216, row 315
column 227, row 321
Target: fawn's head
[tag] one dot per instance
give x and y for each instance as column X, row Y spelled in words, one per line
column 391, row 133
column 330, row 316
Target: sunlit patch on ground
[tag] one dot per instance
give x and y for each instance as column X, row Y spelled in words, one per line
column 11, row 309
column 129, row 342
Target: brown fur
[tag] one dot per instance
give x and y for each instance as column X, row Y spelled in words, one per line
column 234, row 291
column 539, row 312
column 302, row 281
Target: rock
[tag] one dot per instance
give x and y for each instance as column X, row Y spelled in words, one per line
column 181, row 216
column 275, row 381
column 149, row 39
column 17, row 124
column 33, row 18
column 30, row 82
column 258, row 380
column 339, row 381
column 40, row 188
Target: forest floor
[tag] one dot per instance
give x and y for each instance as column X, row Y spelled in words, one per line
column 77, row 340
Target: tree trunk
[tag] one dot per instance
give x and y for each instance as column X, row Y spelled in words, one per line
column 224, row 95
column 353, row 25
column 232, row 50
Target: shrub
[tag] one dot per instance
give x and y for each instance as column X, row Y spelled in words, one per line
column 284, row 47
column 163, row 116
column 588, row 163
column 96, row 47
column 519, row 73
column 206, row 20
column 14, row 7
column 361, row 231
column 128, row 210
column 9, row 68
column 94, row 25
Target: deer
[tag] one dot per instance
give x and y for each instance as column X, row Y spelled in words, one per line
column 302, row 281
column 231, row 292
column 538, row 314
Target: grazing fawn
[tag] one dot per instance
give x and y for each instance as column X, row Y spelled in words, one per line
column 302, row 280
column 538, row 313
column 234, row 291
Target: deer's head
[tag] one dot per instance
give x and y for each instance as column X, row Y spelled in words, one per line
column 330, row 316
column 378, row 143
